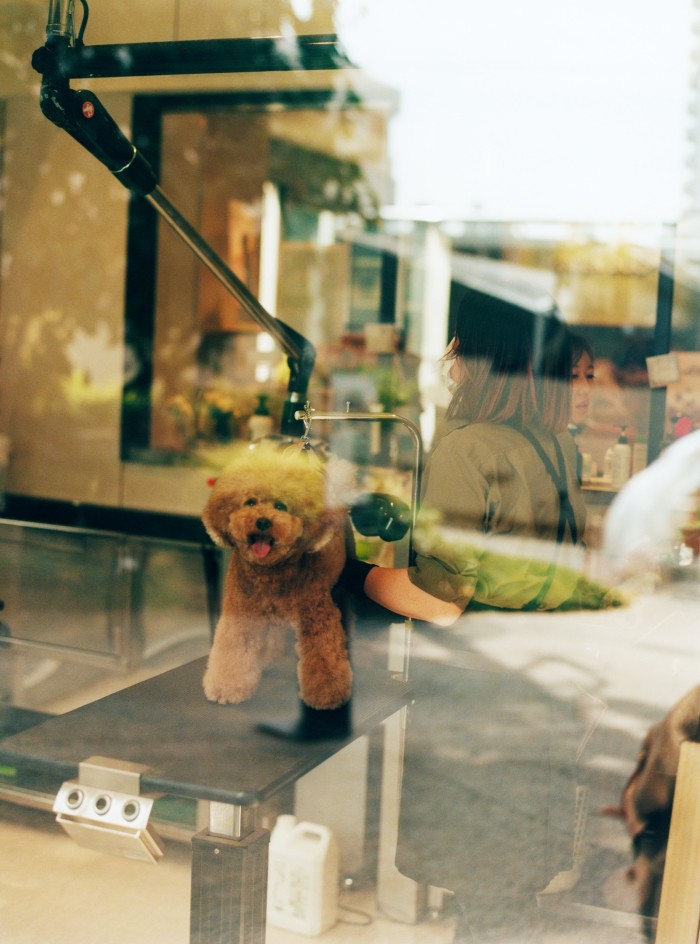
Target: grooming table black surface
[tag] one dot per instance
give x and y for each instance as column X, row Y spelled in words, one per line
column 194, row 748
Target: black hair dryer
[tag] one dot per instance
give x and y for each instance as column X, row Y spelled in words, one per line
column 378, row 514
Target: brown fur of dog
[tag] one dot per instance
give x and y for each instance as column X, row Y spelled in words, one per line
column 288, row 545
column 647, row 801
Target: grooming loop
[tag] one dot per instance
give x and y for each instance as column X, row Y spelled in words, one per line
column 308, row 415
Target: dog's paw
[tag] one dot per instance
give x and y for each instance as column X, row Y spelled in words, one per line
column 324, row 689
column 228, row 691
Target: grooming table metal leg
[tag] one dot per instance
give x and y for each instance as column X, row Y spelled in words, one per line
column 229, row 878
column 400, row 898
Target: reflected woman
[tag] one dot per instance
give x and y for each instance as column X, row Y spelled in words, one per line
column 503, row 471
column 481, row 812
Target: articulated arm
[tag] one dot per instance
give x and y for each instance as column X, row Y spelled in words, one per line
column 82, row 115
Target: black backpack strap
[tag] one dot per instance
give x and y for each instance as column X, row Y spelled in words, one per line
column 558, row 477
column 566, row 511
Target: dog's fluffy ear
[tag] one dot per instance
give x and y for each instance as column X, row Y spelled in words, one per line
column 215, row 519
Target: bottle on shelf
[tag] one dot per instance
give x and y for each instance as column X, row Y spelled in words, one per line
column 260, row 423
column 621, row 460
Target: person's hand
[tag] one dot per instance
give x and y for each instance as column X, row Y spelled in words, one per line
column 615, row 597
column 590, row 595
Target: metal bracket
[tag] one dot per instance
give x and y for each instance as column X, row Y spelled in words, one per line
column 105, row 810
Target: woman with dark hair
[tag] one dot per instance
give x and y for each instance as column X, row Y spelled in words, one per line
column 486, row 811
column 509, row 364
column 504, row 466
column 582, row 380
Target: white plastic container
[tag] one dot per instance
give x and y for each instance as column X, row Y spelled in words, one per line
column 621, row 461
column 304, row 873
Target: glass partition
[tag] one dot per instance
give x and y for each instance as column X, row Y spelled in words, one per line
column 362, row 171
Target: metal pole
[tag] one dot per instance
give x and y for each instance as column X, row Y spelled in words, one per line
column 223, row 273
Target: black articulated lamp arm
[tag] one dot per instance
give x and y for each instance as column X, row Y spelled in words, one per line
column 202, row 57
column 82, row 115
column 72, row 59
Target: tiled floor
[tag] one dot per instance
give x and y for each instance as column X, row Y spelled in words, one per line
column 53, row 891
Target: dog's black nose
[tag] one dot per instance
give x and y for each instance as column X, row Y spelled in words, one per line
column 263, row 524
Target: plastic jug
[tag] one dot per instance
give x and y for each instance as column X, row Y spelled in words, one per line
column 304, row 873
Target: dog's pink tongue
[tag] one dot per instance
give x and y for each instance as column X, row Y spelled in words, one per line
column 260, row 548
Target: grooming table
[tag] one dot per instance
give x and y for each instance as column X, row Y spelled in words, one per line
column 218, row 753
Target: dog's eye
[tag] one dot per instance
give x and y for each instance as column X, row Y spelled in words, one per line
column 251, row 502
column 280, row 506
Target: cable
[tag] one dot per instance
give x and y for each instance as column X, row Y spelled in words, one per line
column 356, row 924
column 83, row 23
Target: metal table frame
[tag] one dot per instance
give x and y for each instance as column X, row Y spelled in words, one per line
column 192, row 748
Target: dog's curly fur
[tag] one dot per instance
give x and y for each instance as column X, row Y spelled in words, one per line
column 287, row 537
column 647, row 803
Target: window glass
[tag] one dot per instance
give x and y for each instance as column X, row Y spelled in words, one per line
column 453, row 250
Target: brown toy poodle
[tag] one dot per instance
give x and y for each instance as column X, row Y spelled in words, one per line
column 287, row 535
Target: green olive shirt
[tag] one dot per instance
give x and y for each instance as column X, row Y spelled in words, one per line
column 486, row 481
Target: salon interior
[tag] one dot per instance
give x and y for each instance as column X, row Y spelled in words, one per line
column 223, row 222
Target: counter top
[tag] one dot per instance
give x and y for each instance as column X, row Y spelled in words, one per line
column 103, row 519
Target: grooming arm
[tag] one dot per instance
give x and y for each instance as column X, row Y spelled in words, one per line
column 82, row 115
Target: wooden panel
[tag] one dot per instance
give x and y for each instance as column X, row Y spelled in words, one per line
column 679, row 912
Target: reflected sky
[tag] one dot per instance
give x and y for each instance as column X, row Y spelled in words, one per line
column 539, row 110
